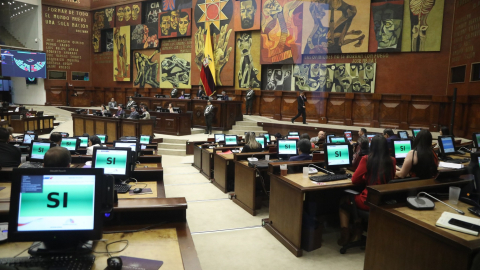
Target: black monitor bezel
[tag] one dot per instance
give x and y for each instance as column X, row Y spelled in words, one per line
column 129, row 159
column 393, row 150
column 440, row 145
column 77, row 143
column 269, row 138
column 149, row 141
column 413, row 133
column 80, row 143
column 474, row 139
column 106, row 137
column 29, row 134
column 215, row 137
column 350, row 155
column 278, row 147
column 264, row 141
column 236, row 140
column 53, row 236
column 31, row 150
column 327, row 140
column 401, row 131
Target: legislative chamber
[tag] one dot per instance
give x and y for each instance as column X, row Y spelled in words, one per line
column 239, row 134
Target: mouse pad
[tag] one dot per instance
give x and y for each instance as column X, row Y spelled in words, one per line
column 140, row 264
column 144, row 191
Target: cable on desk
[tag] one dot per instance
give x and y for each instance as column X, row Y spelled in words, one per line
column 109, row 253
column 30, row 247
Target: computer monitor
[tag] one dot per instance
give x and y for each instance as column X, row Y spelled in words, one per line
column 28, row 138
column 402, row 134
column 337, row 139
column 401, row 147
column 132, row 144
column 70, row 143
column 30, row 132
column 62, row 208
column 476, row 140
column 327, row 139
column 293, row 133
column 103, row 138
column 293, row 137
column 219, row 97
column 267, row 137
column 348, row 135
column 145, row 139
column 446, row 145
column 219, row 137
column 143, row 146
column 177, row 110
column 159, row 109
column 230, row 140
column 261, row 140
column 129, row 139
column 415, row 131
column 187, row 96
column 83, row 141
column 65, row 134
column 115, row 161
column 287, row 147
column 338, row 156
column 38, row 150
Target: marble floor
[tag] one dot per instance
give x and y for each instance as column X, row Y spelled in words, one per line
column 225, row 236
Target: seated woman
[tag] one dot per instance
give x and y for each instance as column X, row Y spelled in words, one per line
column 103, row 110
column 361, row 149
column 376, row 168
column 170, row 108
column 422, row 161
column 251, row 145
column 92, row 142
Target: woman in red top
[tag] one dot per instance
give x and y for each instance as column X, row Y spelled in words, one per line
column 375, row 169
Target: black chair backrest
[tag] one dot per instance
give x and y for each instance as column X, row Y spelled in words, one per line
column 400, row 180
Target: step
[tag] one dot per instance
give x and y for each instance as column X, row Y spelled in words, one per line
column 177, row 146
column 242, row 132
column 172, row 152
column 247, row 128
column 246, row 123
column 175, row 141
column 198, row 131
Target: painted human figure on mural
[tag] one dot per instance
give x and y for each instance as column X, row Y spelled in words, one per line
column 247, row 75
column 146, row 70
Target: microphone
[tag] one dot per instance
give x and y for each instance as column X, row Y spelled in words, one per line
column 322, row 169
column 418, row 203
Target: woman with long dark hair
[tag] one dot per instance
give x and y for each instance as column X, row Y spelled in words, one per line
column 422, row 161
column 376, row 168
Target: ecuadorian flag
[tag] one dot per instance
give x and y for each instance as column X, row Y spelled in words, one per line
column 207, row 75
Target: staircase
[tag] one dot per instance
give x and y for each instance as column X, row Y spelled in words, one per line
column 241, row 127
column 174, row 147
column 8, row 39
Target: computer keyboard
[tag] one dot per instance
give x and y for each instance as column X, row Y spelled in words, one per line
column 29, row 164
column 122, row 188
column 458, row 161
column 329, row 177
column 81, row 262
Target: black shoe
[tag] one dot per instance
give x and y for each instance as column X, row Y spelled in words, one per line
column 305, row 123
column 292, row 121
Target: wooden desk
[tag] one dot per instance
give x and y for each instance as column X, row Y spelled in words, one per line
column 207, row 165
column 3, row 123
column 113, row 127
column 402, row 238
column 142, row 159
column 197, row 155
column 226, row 112
column 290, row 197
column 224, row 171
column 7, row 116
column 5, row 193
column 178, row 124
column 246, row 181
column 41, row 125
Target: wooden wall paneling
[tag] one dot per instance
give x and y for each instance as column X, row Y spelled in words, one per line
column 376, row 110
column 419, row 112
column 322, row 106
column 128, row 128
column 78, row 126
column 100, row 127
column 404, row 109
column 311, row 107
column 89, row 127
column 120, row 96
column 198, row 117
column 349, row 109
column 109, row 93
column 336, row 109
column 129, row 92
column 473, row 117
column 435, row 109
column 98, row 96
column 277, row 115
column 112, row 130
column 389, row 111
column 289, row 106
column 55, row 96
column 267, row 104
column 146, row 127
column 186, row 125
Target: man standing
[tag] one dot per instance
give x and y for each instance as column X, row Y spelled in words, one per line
column 131, row 103
column 301, row 107
column 200, row 92
column 209, row 117
column 112, row 104
column 249, row 98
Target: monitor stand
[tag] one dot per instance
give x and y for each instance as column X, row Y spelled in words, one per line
column 60, row 248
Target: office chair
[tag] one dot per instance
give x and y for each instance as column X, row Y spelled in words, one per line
column 356, row 214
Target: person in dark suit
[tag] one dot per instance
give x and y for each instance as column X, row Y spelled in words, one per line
column 390, row 136
column 120, row 112
column 304, row 146
column 209, row 117
column 249, row 100
column 225, row 97
column 200, row 92
column 133, row 114
column 301, row 107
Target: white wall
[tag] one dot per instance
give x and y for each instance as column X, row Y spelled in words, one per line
column 29, row 27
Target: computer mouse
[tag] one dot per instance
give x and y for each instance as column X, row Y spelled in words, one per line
column 137, row 190
column 349, row 175
column 114, row 263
